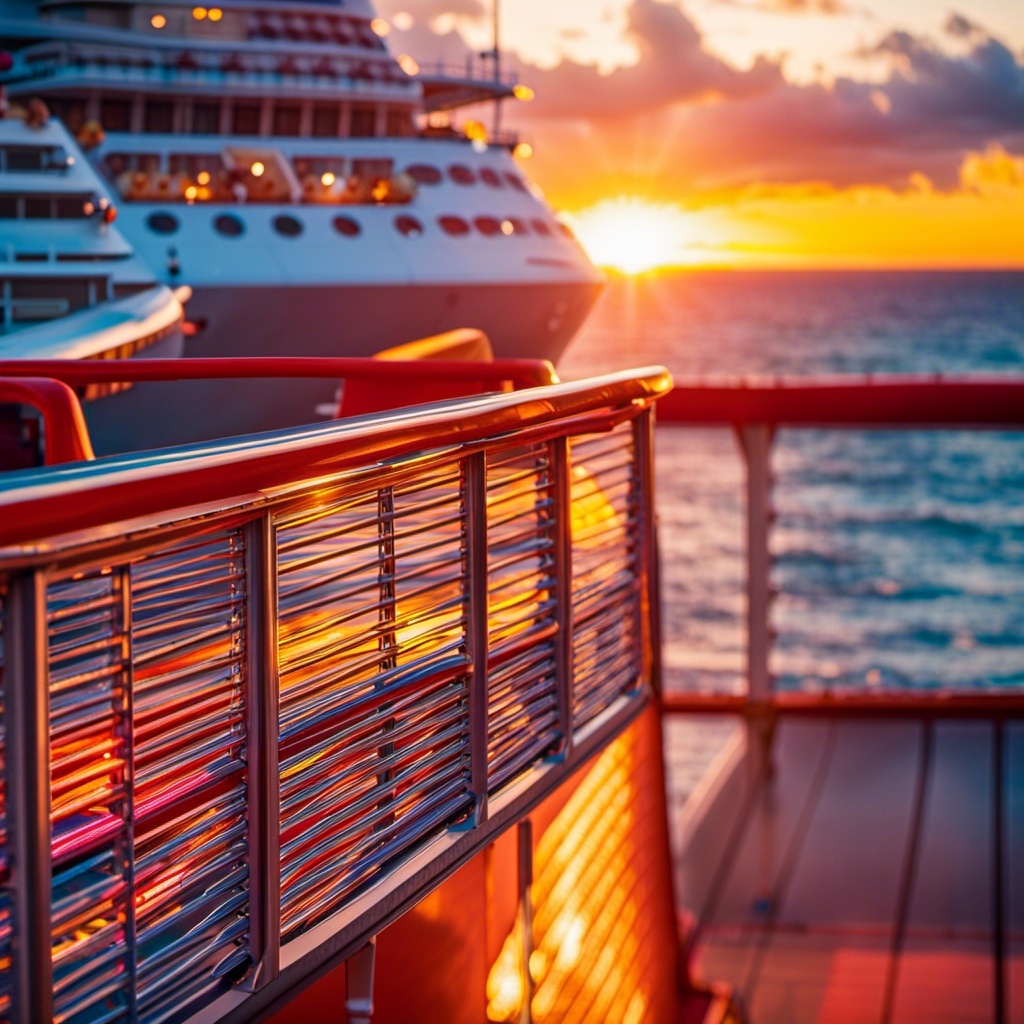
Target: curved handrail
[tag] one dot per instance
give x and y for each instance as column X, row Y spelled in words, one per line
column 122, row 487
column 64, row 431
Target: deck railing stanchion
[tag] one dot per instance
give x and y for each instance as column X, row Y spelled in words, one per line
column 524, row 851
column 262, row 710
column 998, row 878
column 27, row 733
column 561, row 494
column 126, row 727
column 647, row 553
column 756, row 444
column 477, row 630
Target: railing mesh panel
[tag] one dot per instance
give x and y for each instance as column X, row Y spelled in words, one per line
column 90, row 804
column 605, row 590
column 522, row 698
column 373, row 680
column 149, row 885
column 191, row 867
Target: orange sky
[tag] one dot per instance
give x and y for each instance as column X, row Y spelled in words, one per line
column 788, row 133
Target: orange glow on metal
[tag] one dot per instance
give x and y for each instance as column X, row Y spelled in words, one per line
column 586, row 907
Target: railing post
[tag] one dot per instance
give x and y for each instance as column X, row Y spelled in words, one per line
column 125, row 710
column 262, row 710
column 756, row 444
column 477, row 633
column 524, row 857
column 647, row 549
column 561, row 494
column 27, row 732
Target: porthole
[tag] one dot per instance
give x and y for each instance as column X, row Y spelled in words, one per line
column 540, row 227
column 461, row 174
column 287, row 225
column 518, row 226
column 162, row 223
column 453, row 225
column 347, row 226
column 424, row 174
column 489, row 177
column 408, row 226
column 489, row 226
column 565, row 229
column 229, row 225
column 515, row 181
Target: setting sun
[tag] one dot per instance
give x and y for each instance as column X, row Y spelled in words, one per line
column 634, row 235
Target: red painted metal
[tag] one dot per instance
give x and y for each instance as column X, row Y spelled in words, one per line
column 892, row 704
column 906, row 403
column 64, row 430
column 523, row 373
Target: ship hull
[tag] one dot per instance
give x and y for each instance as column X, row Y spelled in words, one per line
column 322, row 320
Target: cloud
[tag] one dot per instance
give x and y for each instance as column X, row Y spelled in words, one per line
column 827, row 7
column 428, row 10
column 673, row 67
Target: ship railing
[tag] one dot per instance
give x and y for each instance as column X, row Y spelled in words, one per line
column 262, row 695
column 755, row 411
column 744, row 790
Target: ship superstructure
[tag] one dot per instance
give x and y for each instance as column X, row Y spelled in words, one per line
column 302, row 180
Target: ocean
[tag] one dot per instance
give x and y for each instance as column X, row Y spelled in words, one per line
column 898, row 555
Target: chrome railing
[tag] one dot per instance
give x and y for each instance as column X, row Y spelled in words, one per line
column 261, row 696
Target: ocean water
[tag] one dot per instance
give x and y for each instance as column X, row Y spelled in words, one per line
column 898, row 555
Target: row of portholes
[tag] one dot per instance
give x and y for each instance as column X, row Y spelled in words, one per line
column 230, row 225
column 427, row 174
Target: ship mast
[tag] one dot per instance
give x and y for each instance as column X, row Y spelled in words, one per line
column 496, row 31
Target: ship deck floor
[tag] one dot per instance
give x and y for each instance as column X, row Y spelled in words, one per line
column 858, row 882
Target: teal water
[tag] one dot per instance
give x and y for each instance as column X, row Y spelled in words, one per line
column 899, row 555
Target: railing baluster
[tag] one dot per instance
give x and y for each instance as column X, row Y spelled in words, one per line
column 561, row 490
column 27, row 729
column 477, row 626
column 126, row 727
column 756, row 444
column 262, row 709
column 647, row 549
column 387, row 640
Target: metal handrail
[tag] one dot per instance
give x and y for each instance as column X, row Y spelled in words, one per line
column 126, row 487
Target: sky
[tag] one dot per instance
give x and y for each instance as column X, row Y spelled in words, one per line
column 764, row 132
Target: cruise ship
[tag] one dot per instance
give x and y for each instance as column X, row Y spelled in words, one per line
column 309, row 186
column 71, row 286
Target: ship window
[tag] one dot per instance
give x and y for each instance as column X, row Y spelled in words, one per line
column 8, row 207
column 518, row 227
column 565, row 229
column 161, row 223
column 158, row 117
column 540, row 227
column 37, row 207
column 347, row 226
column 515, row 181
column 489, row 226
column 229, row 225
column 399, row 124
column 325, row 121
column 206, row 119
column 193, row 164
column 424, row 174
column 453, row 225
column 287, row 225
column 70, row 207
column 116, row 115
column 364, row 123
column 409, row 226
column 22, row 158
column 70, row 111
column 489, row 177
column 461, row 174
column 245, row 119
column 286, row 120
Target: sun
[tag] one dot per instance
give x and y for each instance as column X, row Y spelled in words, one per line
column 634, row 235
